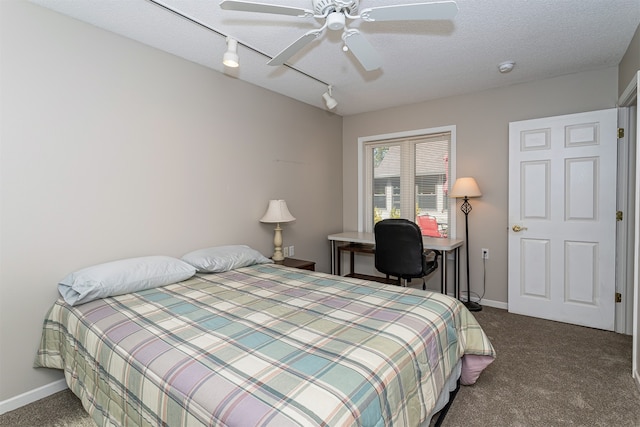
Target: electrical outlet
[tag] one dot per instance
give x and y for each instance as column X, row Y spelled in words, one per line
column 292, row 250
column 285, row 251
column 485, row 253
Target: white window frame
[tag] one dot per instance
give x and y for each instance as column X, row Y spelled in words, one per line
column 406, row 134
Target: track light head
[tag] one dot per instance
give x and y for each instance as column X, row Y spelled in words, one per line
column 230, row 57
column 329, row 101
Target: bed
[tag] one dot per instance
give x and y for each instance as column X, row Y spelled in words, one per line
column 265, row 345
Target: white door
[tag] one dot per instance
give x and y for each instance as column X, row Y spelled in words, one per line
column 562, row 227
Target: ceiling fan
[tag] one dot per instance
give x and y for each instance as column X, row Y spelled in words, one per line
column 335, row 14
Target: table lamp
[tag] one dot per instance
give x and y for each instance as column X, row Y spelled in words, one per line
column 277, row 213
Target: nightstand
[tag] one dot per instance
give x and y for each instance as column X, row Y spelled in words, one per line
column 299, row 263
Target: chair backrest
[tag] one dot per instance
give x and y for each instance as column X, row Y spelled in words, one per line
column 428, row 225
column 399, row 249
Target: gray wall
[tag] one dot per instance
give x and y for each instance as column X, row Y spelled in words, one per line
column 630, row 64
column 111, row 149
column 482, row 121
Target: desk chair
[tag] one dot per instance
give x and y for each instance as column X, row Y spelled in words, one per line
column 399, row 251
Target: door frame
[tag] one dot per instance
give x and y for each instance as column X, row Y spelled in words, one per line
column 624, row 229
column 629, row 98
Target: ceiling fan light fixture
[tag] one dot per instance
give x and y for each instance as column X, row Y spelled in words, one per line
column 336, row 21
column 230, row 57
column 329, row 101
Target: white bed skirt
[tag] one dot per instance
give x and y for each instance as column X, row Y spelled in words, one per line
column 443, row 399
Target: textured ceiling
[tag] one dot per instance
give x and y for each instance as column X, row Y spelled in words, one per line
column 421, row 60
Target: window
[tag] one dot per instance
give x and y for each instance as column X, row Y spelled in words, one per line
column 408, row 176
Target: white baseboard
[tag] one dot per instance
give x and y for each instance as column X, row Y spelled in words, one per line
column 32, row 395
column 487, row 302
column 495, row 304
column 636, row 376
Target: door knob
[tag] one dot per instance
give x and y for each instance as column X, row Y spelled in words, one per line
column 517, row 228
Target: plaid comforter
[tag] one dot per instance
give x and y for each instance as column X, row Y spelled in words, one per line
column 261, row 345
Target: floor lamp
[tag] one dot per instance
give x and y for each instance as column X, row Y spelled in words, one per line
column 466, row 188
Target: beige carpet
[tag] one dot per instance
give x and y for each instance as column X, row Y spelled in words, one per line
column 546, row 374
column 549, row 374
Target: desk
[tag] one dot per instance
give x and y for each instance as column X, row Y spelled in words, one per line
column 444, row 245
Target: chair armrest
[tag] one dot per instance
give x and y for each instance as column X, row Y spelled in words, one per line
column 430, row 261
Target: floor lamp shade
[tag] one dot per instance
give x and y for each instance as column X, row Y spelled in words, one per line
column 465, row 188
column 277, row 213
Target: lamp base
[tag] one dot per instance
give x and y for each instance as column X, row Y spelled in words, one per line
column 472, row 306
column 277, row 244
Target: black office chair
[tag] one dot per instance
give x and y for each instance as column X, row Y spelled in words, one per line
column 399, row 251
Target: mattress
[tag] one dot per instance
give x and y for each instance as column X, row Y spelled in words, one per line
column 263, row 345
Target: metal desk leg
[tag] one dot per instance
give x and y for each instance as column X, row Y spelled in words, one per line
column 443, row 274
column 352, row 261
column 456, row 275
column 333, row 257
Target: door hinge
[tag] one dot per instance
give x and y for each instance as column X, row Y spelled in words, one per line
column 619, row 216
column 620, row 132
column 618, row 297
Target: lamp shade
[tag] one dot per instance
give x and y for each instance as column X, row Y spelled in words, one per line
column 277, row 212
column 465, row 187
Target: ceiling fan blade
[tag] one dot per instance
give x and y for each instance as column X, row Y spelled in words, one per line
column 246, row 6
column 411, row 12
column 362, row 50
column 294, row 47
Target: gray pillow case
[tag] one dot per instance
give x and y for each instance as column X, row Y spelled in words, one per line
column 122, row 277
column 219, row 259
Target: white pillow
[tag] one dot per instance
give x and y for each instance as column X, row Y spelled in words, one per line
column 224, row 258
column 122, row 277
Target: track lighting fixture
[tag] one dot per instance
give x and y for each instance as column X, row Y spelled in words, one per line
column 329, row 101
column 230, row 58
